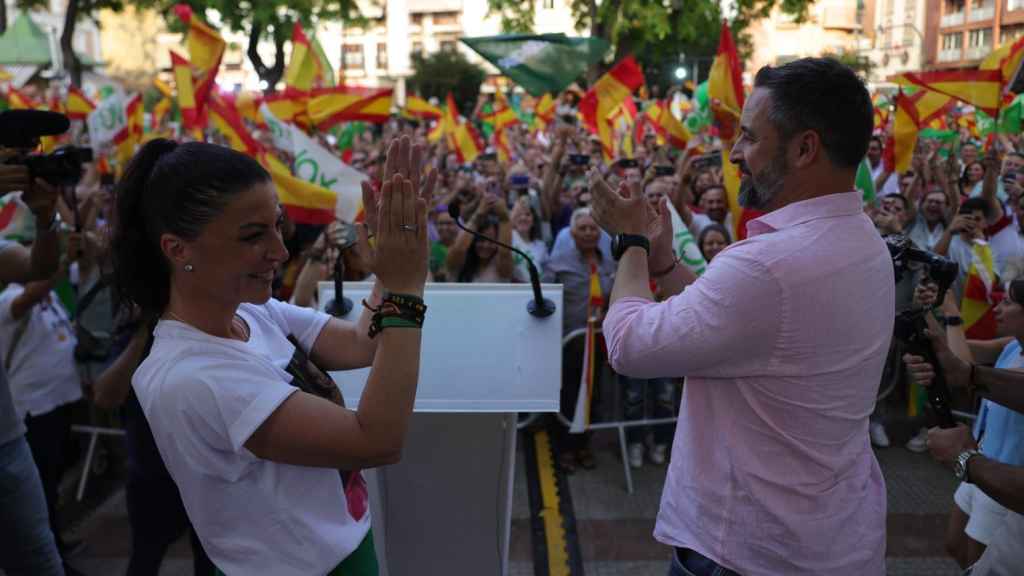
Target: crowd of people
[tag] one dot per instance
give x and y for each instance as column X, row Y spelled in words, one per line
column 115, row 243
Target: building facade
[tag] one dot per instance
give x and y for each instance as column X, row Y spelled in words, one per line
column 896, row 36
column 832, row 26
column 962, row 32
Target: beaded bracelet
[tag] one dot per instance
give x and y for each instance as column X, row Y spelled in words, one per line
column 396, row 311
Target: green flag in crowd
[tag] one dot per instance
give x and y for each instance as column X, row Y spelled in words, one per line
column 864, row 182
column 540, row 63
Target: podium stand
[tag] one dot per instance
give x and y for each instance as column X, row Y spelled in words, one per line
column 446, row 508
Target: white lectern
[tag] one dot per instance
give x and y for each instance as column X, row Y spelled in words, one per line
column 446, row 508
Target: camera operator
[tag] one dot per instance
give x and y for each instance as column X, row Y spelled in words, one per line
column 27, row 545
column 957, row 448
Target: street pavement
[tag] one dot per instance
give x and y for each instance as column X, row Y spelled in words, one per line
column 614, row 527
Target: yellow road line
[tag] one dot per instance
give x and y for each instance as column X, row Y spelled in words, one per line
column 554, row 532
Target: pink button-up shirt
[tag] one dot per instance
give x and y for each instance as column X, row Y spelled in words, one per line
column 782, row 341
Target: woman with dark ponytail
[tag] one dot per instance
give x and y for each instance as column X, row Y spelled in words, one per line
column 252, row 430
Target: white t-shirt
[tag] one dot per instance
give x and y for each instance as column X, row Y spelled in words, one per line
column 204, row 397
column 537, row 250
column 1004, row 555
column 924, row 238
column 702, row 221
column 42, row 374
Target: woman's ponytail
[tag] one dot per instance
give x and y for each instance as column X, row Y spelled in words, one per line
column 141, row 274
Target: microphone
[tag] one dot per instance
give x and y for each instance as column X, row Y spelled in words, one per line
column 22, row 128
column 540, row 306
column 340, row 306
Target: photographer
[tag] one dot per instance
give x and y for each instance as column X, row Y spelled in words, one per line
column 27, row 544
column 957, row 448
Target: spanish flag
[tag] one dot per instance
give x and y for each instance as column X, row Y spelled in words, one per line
column 305, row 202
column 1007, row 59
column 324, row 76
column 416, row 107
column 159, row 112
column 976, row 305
column 228, row 122
column 18, row 100
column 982, row 89
column 247, row 104
column 190, row 117
column 605, row 95
column 670, row 127
column 286, row 107
column 330, row 106
column 78, row 104
column 301, row 69
column 914, row 112
column 135, row 116
column 462, row 136
column 543, row 112
column 205, row 46
column 740, row 215
column 584, row 399
column 163, row 87
column 725, row 86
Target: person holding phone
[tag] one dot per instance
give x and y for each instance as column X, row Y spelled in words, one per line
column 471, row 259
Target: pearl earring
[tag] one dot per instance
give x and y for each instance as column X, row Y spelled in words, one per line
column 189, row 268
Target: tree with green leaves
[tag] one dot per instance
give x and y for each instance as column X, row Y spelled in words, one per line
column 265, row 19
column 76, row 10
column 437, row 74
column 656, row 32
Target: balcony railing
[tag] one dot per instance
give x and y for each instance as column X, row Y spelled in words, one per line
column 952, row 55
column 982, row 13
column 954, row 19
column 977, row 52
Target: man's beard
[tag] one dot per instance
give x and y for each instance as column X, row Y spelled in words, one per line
column 758, row 190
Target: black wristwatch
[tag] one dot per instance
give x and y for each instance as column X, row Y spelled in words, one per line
column 953, row 321
column 621, row 242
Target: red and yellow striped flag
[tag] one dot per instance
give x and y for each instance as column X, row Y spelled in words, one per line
column 584, row 399
column 302, row 66
column 982, row 89
column 305, row 202
column 976, row 306
column 329, row 106
column 190, row 119
column 666, row 125
column 544, row 111
column 914, row 112
column 205, row 46
column 740, row 215
column 228, row 122
column 725, row 86
column 159, row 113
column 605, row 95
column 18, row 100
column 78, row 104
column 416, row 107
column 1007, row 59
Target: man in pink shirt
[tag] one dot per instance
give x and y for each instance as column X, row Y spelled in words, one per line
column 782, row 341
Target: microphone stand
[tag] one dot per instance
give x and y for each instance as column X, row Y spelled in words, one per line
column 340, row 306
column 540, row 306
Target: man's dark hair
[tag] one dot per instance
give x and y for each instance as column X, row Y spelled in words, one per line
column 877, row 139
column 975, row 204
column 901, row 198
column 823, row 95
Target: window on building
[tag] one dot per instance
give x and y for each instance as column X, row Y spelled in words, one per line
column 446, row 19
column 549, row 4
column 953, row 41
column 979, row 38
column 953, row 6
column 416, row 18
column 382, row 55
column 1010, row 33
column 352, row 56
column 447, row 45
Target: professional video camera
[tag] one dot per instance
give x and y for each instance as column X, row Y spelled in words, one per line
column 21, row 130
column 910, row 324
